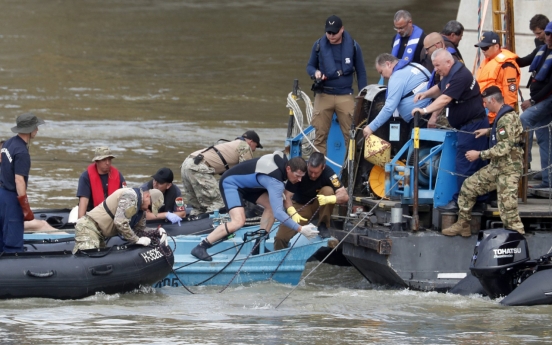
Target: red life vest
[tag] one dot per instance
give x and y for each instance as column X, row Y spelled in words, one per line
column 114, row 182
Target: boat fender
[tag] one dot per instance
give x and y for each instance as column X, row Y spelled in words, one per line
column 73, row 215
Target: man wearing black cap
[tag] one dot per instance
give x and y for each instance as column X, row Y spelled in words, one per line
column 537, row 111
column 14, row 175
column 334, row 60
column 499, row 69
column 174, row 209
column 201, row 189
column 502, row 173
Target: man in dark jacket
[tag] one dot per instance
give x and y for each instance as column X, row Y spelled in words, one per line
column 334, row 60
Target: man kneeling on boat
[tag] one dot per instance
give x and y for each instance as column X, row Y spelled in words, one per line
column 317, row 193
column 260, row 181
column 122, row 213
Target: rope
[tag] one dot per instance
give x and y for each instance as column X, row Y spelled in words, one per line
column 297, row 239
column 480, row 22
column 295, row 107
column 333, row 250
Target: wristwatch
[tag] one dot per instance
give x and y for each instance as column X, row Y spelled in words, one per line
column 532, row 101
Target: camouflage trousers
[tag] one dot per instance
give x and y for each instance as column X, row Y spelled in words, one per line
column 284, row 234
column 488, row 179
column 87, row 235
column 201, row 189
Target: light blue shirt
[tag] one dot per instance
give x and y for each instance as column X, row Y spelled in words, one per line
column 402, row 81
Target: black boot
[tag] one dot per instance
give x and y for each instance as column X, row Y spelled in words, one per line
column 200, row 251
column 323, row 231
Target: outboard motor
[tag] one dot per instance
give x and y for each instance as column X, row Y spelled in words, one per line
column 497, row 259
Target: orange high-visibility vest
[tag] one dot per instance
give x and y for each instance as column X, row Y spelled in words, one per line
column 494, row 72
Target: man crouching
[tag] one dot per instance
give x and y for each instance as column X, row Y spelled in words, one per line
column 122, row 213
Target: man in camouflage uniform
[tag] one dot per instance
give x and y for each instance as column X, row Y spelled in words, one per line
column 201, row 189
column 503, row 172
column 122, row 213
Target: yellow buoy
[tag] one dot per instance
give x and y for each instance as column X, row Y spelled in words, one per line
column 377, row 151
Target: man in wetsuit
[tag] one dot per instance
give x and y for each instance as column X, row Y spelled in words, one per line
column 259, row 181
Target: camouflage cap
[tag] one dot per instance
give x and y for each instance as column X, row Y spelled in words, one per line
column 102, row 152
column 157, row 200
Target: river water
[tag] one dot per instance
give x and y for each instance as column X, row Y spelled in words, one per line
column 156, row 80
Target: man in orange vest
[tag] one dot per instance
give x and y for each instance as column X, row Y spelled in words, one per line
column 499, row 69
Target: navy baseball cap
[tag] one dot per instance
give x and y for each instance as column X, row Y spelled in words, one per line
column 488, row 39
column 333, row 24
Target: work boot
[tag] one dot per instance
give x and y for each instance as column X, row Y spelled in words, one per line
column 323, row 230
column 461, row 227
column 200, row 251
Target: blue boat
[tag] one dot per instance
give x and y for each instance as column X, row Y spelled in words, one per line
column 247, row 257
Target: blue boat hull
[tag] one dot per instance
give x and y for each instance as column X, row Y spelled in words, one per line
column 230, row 257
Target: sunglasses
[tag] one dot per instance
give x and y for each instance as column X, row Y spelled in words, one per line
column 331, row 33
column 485, row 48
column 428, row 48
column 548, row 33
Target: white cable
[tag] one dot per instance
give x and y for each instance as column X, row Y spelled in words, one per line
column 298, row 116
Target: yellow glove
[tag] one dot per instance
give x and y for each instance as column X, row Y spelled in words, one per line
column 294, row 215
column 325, row 200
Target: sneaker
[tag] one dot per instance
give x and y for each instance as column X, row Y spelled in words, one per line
column 323, row 231
column 461, row 227
column 200, row 251
column 451, row 206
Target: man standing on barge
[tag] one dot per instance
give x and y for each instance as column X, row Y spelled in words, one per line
column 334, row 60
column 503, row 172
column 458, row 91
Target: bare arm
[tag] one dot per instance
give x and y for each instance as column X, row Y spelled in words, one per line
column 83, row 205
column 341, row 196
column 163, row 215
column 20, row 185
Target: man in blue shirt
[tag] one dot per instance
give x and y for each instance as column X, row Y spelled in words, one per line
column 405, row 80
column 334, row 60
column 14, row 175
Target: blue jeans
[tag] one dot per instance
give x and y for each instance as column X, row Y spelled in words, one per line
column 536, row 116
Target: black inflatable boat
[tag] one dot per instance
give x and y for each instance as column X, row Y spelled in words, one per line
column 48, row 269
column 191, row 225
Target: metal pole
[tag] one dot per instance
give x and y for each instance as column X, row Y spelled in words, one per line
column 350, row 168
column 415, row 217
column 295, row 95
